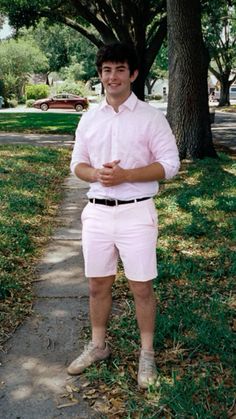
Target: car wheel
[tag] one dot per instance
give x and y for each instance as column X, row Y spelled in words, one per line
column 44, row 107
column 78, row 107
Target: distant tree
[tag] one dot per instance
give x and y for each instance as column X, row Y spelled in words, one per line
column 188, row 111
column 141, row 23
column 219, row 29
column 18, row 60
column 63, row 47
column 159, row 69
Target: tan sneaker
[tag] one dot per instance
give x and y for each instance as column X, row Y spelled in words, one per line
column 90, row 354
column 147, row 373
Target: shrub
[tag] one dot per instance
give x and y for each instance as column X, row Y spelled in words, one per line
column 76, row 88
column 37, row 91
column 154, row 97
column 12, row 103
column 22, row 100
column 29, row 103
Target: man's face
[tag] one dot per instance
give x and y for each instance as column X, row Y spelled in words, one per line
column 116, row 79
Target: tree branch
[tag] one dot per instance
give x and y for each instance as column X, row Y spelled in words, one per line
column 215, row 73
column 81, row 29
column 88, row 14
column 156, row 42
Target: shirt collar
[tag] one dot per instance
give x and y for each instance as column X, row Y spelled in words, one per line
column 130, row 103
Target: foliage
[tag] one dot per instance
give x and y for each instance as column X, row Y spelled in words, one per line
column 29, row 103
column 18, row 59
column 63, row 47
column 12, row 103
column 76, row 88
column 74, row 72
column 37, row 91
column 219, row 29
column 39, row 122
column 195, row 327
column 159, row 69
column 30, row 190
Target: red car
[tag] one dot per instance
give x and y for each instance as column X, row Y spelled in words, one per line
column 62, row 101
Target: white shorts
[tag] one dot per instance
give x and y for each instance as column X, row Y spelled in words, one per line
column 128, row 231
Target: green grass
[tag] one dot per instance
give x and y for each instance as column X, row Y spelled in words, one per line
column 195, row 332
column 52, row 123
column 30, row 190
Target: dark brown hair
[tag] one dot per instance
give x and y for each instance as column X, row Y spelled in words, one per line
column 117, row 53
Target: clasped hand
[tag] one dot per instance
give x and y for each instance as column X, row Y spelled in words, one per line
column 111, row 174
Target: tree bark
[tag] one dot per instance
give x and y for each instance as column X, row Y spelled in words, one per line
column 188, row 110
column 224, row 92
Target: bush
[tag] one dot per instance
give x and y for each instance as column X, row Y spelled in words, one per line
column 12, row 103
column 29, row 103
column 37, row 91
column 154, row 97
column 22, row 100
column 76, row 88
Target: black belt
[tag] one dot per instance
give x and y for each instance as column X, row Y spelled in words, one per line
column 115, row 202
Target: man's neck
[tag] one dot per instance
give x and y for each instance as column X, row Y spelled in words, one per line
column 116, row 102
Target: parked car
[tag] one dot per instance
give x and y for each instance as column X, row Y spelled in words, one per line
column 62, row 101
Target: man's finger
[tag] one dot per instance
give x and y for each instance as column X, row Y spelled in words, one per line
column 111, row 164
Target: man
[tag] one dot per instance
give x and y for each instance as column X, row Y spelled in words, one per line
column 123, row 148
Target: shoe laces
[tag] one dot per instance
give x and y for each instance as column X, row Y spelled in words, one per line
column 87, row 350
column 147, row 364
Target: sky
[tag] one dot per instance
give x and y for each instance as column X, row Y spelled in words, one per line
column 5, row 31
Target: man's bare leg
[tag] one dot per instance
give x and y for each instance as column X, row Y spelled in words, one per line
column 145, row 304
column 100, row 302
column 100, row 307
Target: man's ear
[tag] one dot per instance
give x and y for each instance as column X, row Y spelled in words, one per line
column 134, row 76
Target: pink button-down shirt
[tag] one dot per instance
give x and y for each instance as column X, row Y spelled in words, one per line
column 137, row 135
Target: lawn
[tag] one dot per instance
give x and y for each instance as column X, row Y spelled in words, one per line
column 52, row 123
column 30, row 190
column 195, row 327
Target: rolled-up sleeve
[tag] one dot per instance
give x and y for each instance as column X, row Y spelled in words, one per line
column 163, row 146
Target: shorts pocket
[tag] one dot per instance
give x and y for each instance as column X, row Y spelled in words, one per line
column 153, row 214
column 83, row 213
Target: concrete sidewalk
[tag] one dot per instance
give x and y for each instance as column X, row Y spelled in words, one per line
column 47, row 140
column 33, row 368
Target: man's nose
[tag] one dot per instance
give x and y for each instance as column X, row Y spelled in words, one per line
column 113, row 74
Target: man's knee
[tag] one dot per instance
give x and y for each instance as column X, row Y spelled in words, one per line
column 100, row 287
column 141, row 290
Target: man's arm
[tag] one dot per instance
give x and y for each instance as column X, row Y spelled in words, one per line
column 85, row 172
column 112, row 174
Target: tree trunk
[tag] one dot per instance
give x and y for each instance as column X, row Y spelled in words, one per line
column 188, row 110
column 224, row 91
column 148, row 85
column 139, row 85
